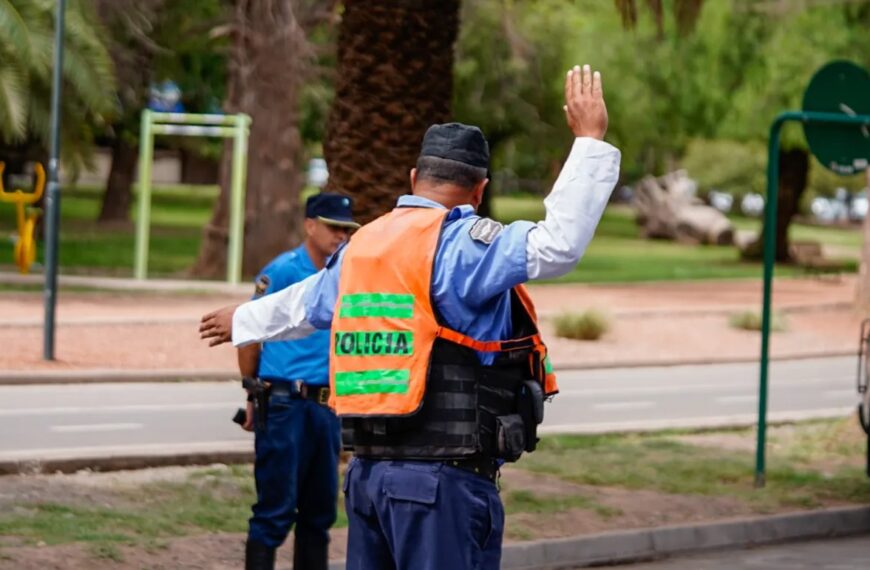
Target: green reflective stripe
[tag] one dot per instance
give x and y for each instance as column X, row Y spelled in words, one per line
column 548, row 366
column 376, row 298
column 368, row 343
column 377, row 311
column 372, row 382
column 386, row 305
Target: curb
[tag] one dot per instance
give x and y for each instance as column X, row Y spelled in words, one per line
column 28, row 377
column 621, row 547
column 122, row 462
column 131, row 284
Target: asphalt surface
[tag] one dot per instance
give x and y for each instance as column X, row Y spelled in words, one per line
column 834, row 554
column 88, row 420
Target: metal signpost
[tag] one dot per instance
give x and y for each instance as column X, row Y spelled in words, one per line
column 52, row 196
column 188, row 124
column 836, row 119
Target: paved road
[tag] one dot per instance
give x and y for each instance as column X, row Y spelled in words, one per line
column 86, row 420
column 707, row 395
column 834, row 554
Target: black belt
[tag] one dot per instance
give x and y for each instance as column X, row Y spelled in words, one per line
column 299, row 389
column 483, row 466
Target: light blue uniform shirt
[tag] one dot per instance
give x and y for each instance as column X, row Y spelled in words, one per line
column 470, row 280
column 304, row 359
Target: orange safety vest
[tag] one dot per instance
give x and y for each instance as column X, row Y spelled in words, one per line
column 384, row 326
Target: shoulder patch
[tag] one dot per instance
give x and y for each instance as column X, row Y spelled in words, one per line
column 485, row 230
column 261, row 285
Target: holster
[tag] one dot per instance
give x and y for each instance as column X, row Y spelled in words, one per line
column 259, row 392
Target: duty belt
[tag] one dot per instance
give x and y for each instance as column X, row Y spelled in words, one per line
column 483, row 466
column 299, row 389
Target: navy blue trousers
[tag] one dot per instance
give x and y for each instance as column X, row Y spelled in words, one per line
column 414, row 515
column 296, row 471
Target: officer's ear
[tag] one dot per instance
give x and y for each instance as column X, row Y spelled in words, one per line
column 477, row 192
column 413, row 177
column 310, row 224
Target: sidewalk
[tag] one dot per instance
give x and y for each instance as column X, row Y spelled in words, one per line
column 125, row 330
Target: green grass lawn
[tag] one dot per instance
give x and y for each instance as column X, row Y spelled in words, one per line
column 809, row 464
column 180, row 212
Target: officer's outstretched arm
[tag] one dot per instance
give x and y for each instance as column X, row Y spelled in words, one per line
column 580, row 194
column 279, row 316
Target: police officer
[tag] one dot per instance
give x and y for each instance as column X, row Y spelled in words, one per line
column 438, row 369
column 297, row 444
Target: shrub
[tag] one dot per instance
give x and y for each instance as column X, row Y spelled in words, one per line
column 751, row 321
column 588, row 325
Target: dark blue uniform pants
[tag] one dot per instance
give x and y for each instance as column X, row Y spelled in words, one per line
column 413, row 515
column 296, row 471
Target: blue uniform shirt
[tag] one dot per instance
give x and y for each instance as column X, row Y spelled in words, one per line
column 470, row 279
column 304, row 359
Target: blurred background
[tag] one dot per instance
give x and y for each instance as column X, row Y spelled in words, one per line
column 691, row 87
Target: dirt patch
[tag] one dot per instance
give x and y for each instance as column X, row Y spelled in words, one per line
column 614, row 508
column 220, row 551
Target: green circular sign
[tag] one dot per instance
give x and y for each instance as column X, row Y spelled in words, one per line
column 839, row 87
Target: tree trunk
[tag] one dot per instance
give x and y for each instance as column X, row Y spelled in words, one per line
column 118, row 195
column 862, row 293
column 196, row 169
column 394, row 79
column 794, row 168
column 266, row 72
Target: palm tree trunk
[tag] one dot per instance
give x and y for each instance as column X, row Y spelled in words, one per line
column 116, row 200
column 394, row 79
column 266, row 74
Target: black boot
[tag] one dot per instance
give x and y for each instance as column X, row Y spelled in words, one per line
column 310, row 552
column 259, row 556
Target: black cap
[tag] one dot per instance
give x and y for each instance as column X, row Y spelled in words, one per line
column 333, row 209
column 455, row 141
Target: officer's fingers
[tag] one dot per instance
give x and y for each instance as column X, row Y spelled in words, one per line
column 587, row 80
column 576, row 87
column 597, row 86
column 217, row 340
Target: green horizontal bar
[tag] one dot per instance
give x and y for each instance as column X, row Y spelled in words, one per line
column 196, row 118
column 822, row 117
column 194, row 130
column 386, row 312
column 376, row 298
column 372, row 382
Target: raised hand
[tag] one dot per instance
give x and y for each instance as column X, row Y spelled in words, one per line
column 217, row 326
column 584, row 107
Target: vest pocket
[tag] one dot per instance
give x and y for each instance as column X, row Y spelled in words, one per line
column 510, row 436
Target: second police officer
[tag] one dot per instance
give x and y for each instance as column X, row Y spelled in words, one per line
column 297, row 442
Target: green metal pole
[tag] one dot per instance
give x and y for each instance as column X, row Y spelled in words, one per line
column 143, row 220
column 770, row 208
column 770, row 256
column 237, row 199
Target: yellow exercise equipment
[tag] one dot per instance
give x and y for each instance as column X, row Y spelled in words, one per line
column 25, row 245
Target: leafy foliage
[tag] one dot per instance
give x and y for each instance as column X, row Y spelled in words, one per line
column 26, row 52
